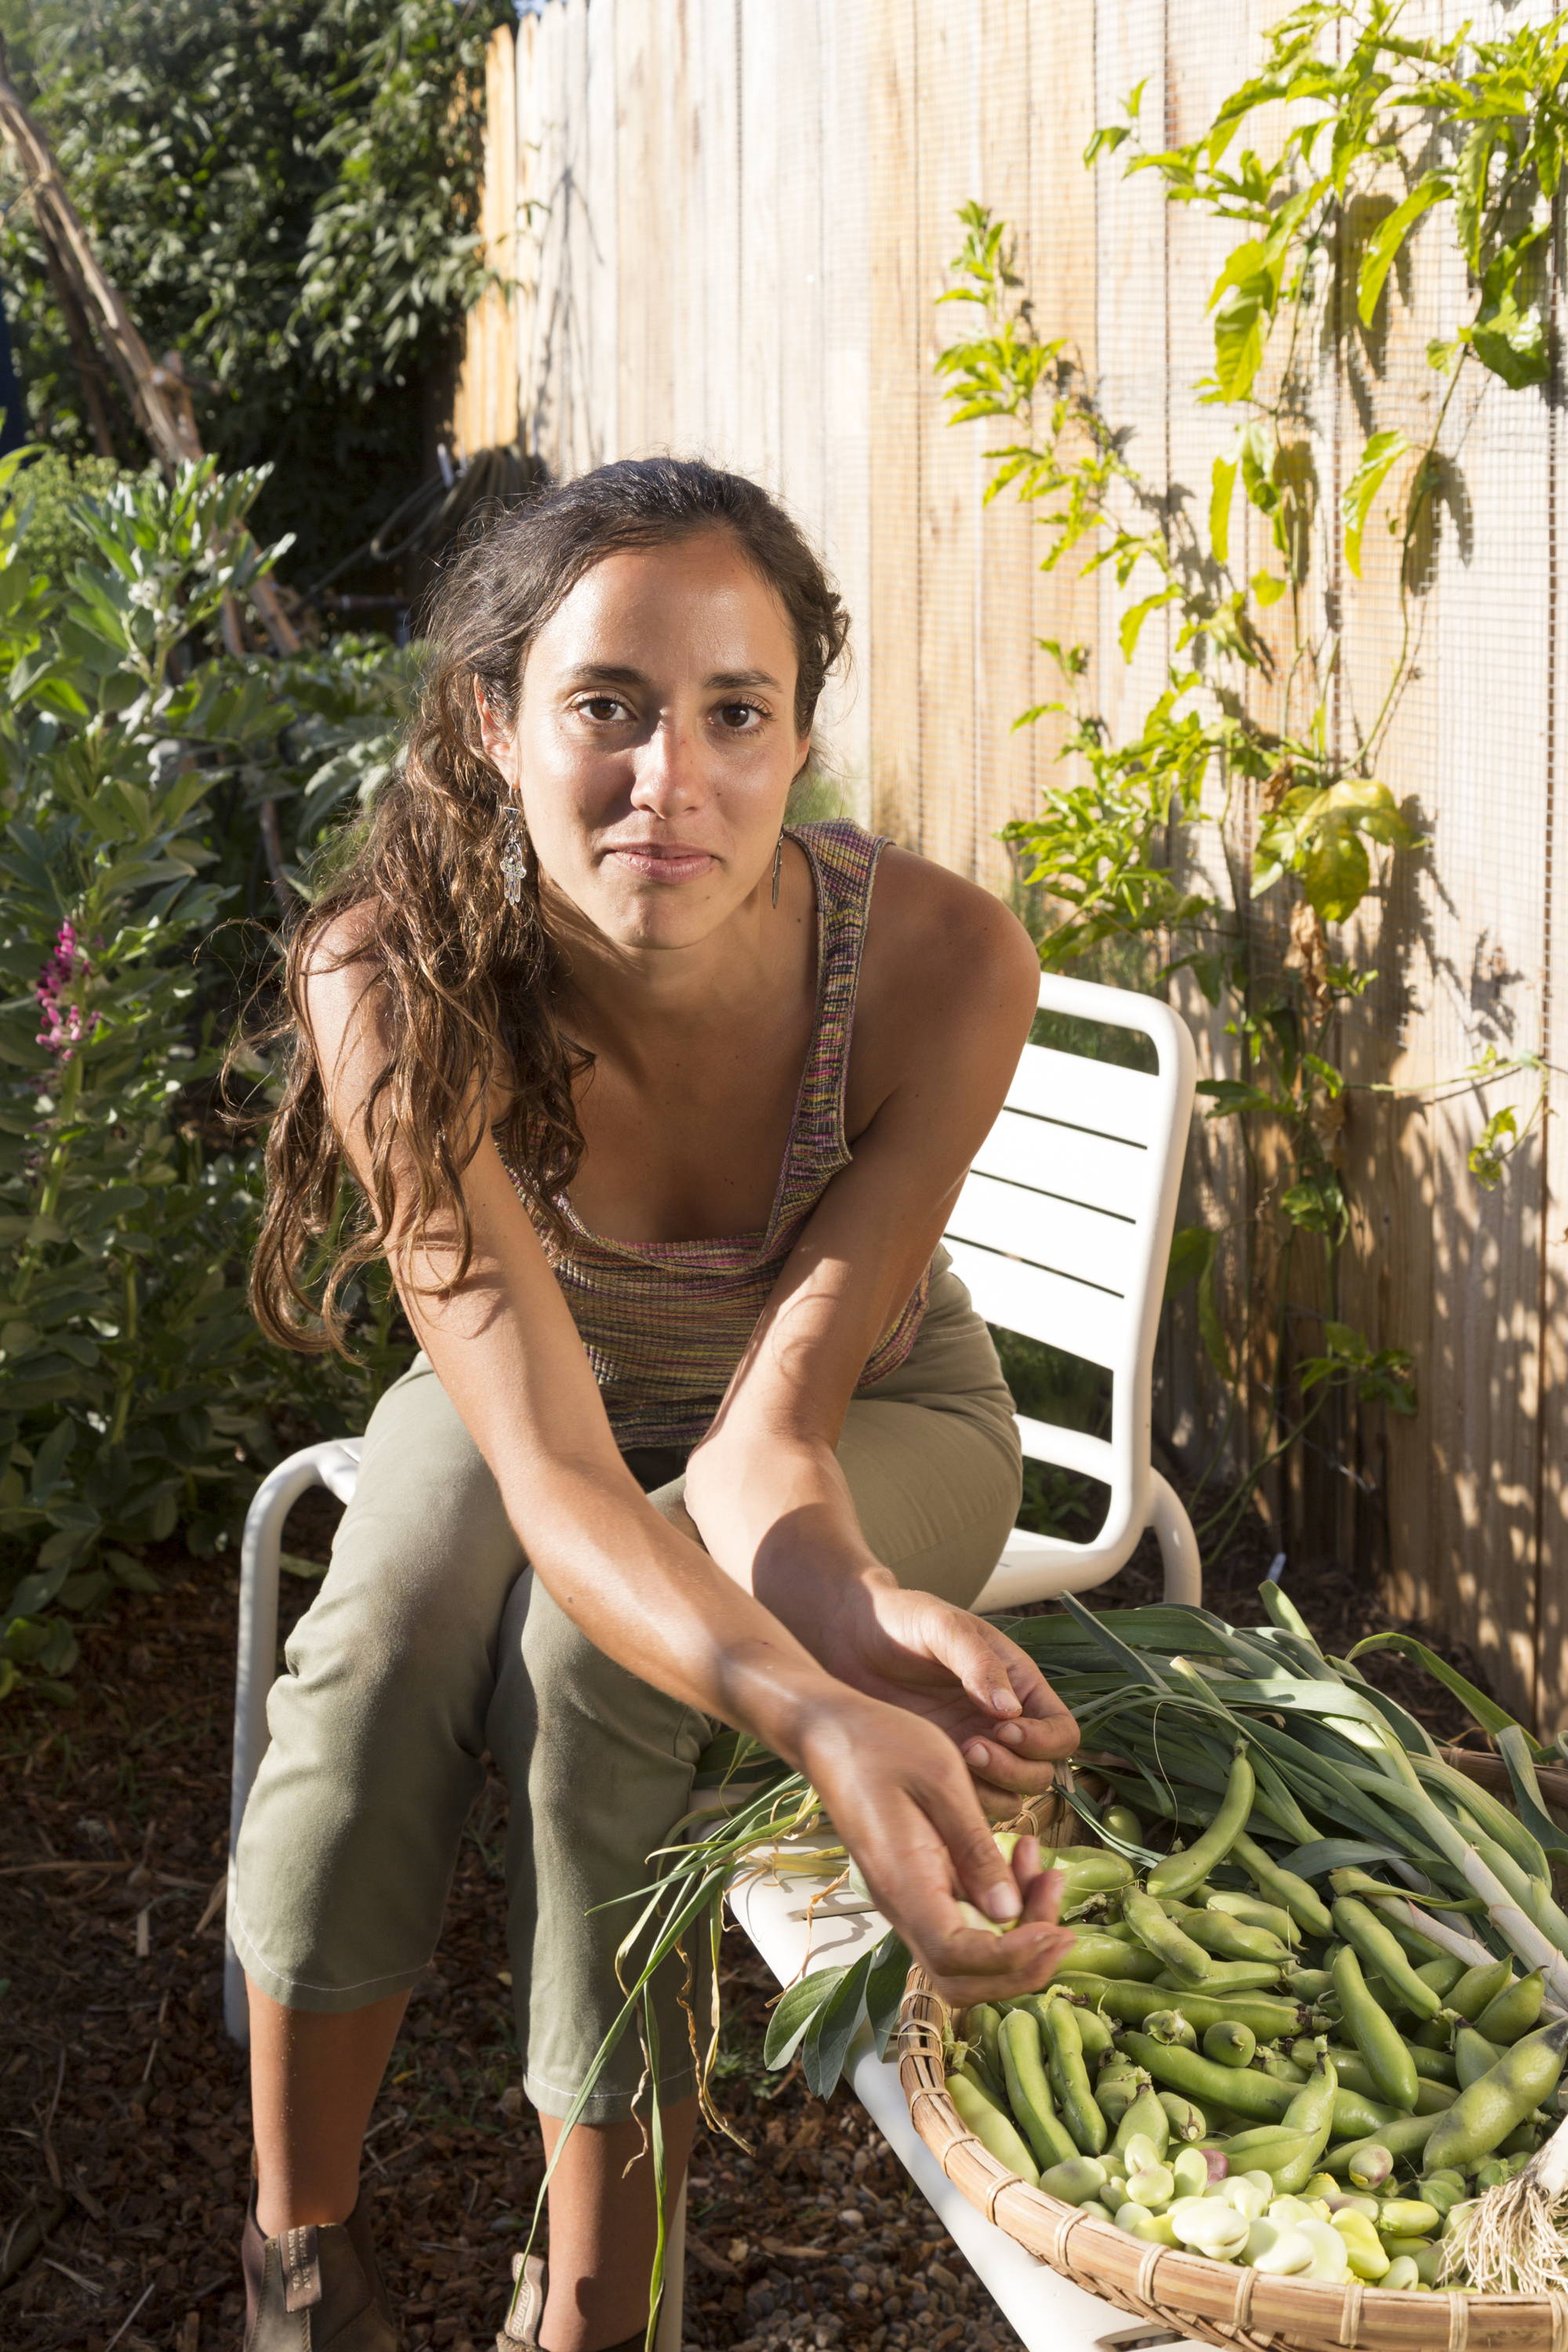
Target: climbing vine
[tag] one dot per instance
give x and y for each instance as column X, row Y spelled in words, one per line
column 1254, row 770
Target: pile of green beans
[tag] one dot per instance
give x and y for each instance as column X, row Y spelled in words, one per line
column 1223, row 2021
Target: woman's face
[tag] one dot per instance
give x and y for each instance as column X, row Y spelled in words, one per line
column 656, row 740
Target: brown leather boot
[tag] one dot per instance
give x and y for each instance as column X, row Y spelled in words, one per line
column 519, row 2330
column 315, row 2289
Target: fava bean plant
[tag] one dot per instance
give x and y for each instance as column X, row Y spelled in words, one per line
column 1242, row 766
column 136, row 1397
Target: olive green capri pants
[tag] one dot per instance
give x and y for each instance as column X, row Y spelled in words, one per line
column 429, row 1643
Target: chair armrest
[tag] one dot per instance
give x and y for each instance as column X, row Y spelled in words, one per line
column 1068, row 1449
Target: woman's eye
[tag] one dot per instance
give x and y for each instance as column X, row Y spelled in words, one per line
column 737, row 717
column 600, row 707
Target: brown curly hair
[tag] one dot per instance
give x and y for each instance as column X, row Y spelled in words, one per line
column 468, row 985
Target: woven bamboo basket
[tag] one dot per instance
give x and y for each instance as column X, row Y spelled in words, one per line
column 1217, row 2302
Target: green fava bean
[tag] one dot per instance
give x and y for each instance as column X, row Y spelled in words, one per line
column 1290, row 2159
column 1269, row 2015
column 1514, row 2010
column 1170, row 2026
column 1236, row 2088
column 992, row 2129
column 1030, row 2092
column 1075, row 2180
column 1442, row 1974
column 1498, row 2102
column 1115, row 2088
column 1123, row 1822
column 1147, row 2119
column 1069, row 2077
column 1095, row 1953
column 1379, row 1949
column 1474, row 2055
column 1477, row 1987
column 1280, row 1885
column 1374, row 2035
column 1172, row 1946
column 1187, row 2120
column 1180, row 1872
column 1228, row 1938
column 1258, row 1914
column 1409, row 2217
column 1406, row 2136
column 1230, row 2045
column 983, row 2024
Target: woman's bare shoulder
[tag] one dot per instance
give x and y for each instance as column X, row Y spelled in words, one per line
column 336, row 974
column 949, row 976
column 934, row 936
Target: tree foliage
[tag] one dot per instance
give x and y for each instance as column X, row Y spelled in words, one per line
column 285, row 190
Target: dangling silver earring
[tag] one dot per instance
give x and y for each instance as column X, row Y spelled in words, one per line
column 514, row 855
column 778, row 862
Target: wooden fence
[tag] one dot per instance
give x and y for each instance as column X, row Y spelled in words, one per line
column 732, row 219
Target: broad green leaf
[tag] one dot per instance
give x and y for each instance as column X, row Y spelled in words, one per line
column 1381, row 452
column 1389, row 236
column 1266, row 588
column 1511, row 342
column 826, row 2041
column 1211, row 1328
column 1219, row 507
column 1240, row 332
column 1323, row 1855
column 1133, row 619
column 1192, row 1247
column 885, row 1990
column 794, row 2012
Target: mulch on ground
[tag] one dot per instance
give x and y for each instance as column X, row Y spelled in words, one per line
column 124, row 2144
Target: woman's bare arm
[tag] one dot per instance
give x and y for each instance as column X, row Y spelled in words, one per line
column 507, row 1352
column 764, row 1488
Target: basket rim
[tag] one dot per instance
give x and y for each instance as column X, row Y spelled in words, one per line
column 1173, row 2283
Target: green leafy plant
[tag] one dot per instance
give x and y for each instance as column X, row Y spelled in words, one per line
column 284, row 192
column 1233, row 784
column 137, row 1397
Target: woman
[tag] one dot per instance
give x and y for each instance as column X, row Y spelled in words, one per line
column 657, row 1107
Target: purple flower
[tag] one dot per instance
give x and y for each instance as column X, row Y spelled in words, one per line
column 64, row 1024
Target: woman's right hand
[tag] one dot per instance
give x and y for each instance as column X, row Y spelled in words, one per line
column 901, row 1799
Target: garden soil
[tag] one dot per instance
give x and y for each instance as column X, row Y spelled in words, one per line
column 124, row 2151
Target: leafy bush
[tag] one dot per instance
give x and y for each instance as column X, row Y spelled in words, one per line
column 138, row 1399
column 287, row 192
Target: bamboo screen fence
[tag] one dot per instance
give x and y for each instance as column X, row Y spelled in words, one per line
column 732, row 218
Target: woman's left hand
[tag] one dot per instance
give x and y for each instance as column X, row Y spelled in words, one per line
column 913, row 1651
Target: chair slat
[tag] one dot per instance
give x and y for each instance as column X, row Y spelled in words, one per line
column 1100, row 1096
column 1074, row 1166
column 1083, row 1243
column 1040, row 1304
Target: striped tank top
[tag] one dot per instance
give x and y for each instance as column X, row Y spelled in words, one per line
column 666, row 1323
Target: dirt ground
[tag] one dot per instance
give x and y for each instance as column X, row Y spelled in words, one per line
column 124, row 2147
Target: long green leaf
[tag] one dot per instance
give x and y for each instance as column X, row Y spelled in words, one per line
column 1548, row 1834
column 1482, row 1710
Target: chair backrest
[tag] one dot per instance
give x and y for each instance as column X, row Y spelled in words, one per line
column 1063, row 1228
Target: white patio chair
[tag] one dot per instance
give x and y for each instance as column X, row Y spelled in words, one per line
column 1062, row 1233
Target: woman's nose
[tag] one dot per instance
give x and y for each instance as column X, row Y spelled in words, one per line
column 668, row 769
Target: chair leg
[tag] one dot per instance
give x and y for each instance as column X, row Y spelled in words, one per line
column 260, row 1556
column 1178, row 1544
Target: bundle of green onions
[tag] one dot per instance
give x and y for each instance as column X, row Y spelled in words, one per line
column 1285, row 1840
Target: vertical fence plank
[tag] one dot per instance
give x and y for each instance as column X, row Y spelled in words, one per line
column 899, row 341
column 1551, row 1627
column 714, row 324
column 948, row 41
column 848, row 425
column 1002, row 538
column 763, row 325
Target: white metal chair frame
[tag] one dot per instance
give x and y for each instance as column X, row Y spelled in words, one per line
column 1062, row 1233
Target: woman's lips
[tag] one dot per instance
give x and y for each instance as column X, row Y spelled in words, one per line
column 662, row 861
